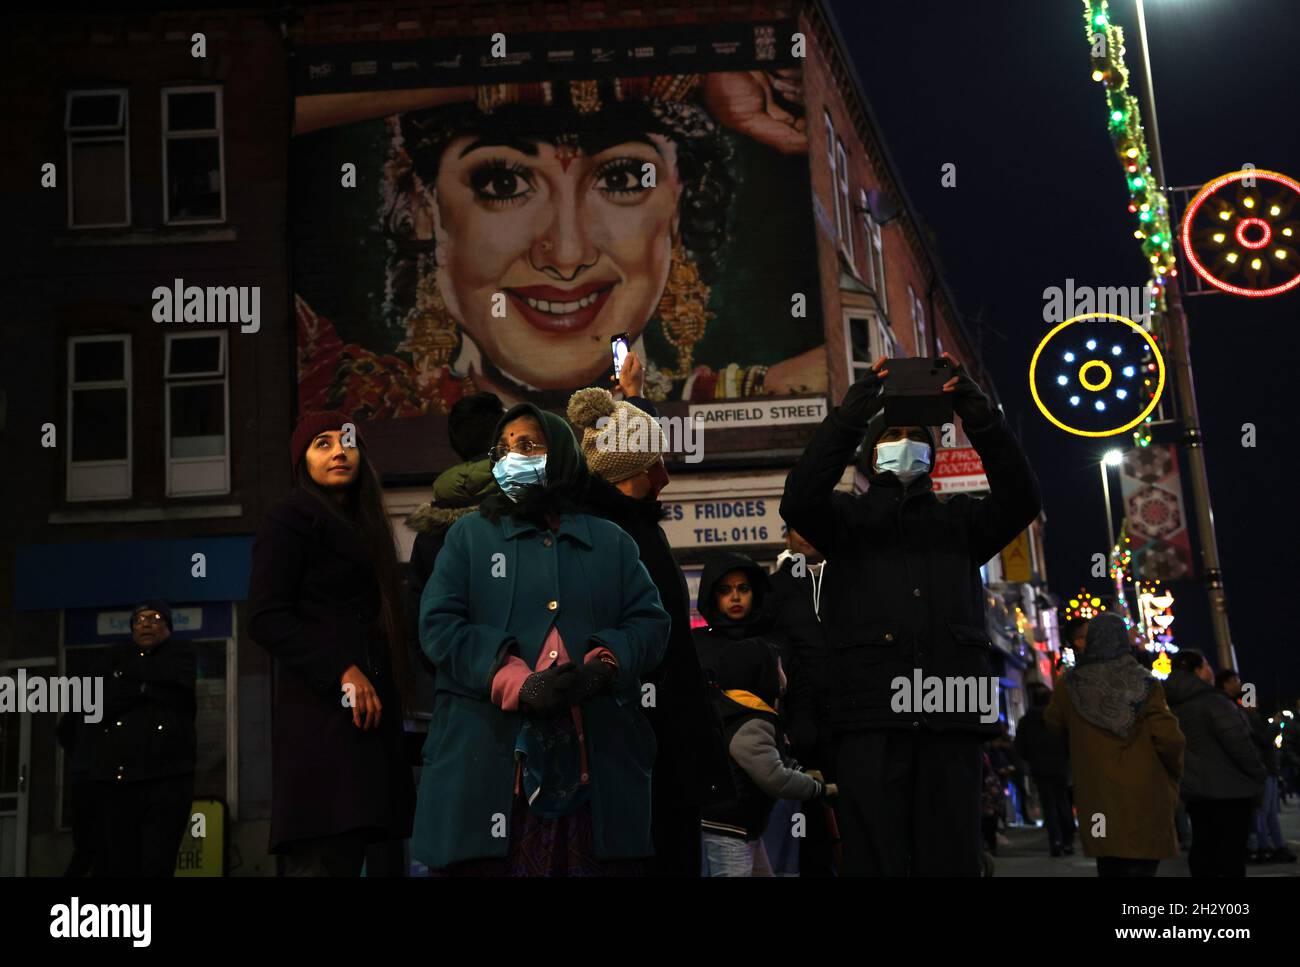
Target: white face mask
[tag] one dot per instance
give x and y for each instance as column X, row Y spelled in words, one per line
column 905, row 459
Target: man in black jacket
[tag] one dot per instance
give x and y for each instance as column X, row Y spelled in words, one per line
column 903, row 595
column 794, row 604
column 142, row 755
column 692, row 768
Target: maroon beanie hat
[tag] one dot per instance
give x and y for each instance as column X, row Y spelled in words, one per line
column 312, row 425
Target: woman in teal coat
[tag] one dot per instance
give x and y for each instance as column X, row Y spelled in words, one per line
column 541, row 621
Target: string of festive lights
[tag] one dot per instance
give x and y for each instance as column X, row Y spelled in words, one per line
column 1146, row 199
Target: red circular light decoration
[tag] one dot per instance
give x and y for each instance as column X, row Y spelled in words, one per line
column 1287, row 205
column 1246, row 223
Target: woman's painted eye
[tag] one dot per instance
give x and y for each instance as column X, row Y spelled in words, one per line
column 500, row 181
column 622, row 176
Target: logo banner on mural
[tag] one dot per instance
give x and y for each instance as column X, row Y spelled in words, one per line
column 461, row 225
column 1154, row 512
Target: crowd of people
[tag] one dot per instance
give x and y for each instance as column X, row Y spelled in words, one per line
column 580, row 726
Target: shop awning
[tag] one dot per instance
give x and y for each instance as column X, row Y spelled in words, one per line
column 51, row 577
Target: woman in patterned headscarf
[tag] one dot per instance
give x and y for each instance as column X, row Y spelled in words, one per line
column 1126, row 752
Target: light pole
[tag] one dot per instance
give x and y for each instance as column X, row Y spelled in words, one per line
column 1111, row 459
column 1179, row 351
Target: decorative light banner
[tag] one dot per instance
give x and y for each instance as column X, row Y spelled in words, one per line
column 1240, row 233
column 1155, row 605
column 1146, row 200
column 1156, row 522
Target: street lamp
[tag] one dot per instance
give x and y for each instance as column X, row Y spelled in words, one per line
column 1112, row 458
column 1179, row 353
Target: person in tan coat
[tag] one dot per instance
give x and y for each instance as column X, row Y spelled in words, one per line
column 1126, row 750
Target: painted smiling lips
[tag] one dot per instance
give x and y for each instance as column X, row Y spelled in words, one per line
column 550, row 309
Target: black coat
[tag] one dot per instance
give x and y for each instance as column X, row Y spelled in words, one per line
column 1047, row 753
column 805, row 654
column 314, row 605
column 1221, row 761
column 903, row 588
column 692, row 764
column 147, row 731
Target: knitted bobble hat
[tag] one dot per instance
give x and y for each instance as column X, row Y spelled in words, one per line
column 618, row 439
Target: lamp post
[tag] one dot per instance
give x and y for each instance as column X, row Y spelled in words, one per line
column 1179, row 351
column 1111, row 459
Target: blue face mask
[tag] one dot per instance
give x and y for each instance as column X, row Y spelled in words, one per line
column 905, row 459
column 514, row 472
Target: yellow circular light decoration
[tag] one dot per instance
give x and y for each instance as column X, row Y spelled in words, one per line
column 1105, row 379
column 1150, row 407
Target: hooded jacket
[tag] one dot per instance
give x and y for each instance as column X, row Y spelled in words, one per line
column 902, row 591
column 1222, row 762
column 748, row 682
column 799, row 634
column 456, row 492
column 722, row 631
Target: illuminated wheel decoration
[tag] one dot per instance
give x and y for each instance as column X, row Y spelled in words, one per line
column 1244, row 240
column 1098, row 371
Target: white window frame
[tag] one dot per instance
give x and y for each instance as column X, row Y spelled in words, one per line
column 831, row 141
column 918, row 322
column 85, row 470
column 168, row 135
column 842, row 166
column 880, row 341
column 875, row 252
column 79, row 136
column 220, row 376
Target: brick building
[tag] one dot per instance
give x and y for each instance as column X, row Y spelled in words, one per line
column 142, row 443
column 170, row 436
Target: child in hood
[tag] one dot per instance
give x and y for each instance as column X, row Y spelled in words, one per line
column 749, row 680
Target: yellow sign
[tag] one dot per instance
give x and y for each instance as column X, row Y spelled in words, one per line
column 1015, row 560
column 203, row 847
column 1162, row 666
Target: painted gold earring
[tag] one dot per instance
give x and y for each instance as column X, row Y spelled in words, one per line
column 683, row 310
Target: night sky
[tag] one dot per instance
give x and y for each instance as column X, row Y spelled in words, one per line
column 1003, row 91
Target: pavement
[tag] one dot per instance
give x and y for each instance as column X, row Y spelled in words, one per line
column 1027, row 855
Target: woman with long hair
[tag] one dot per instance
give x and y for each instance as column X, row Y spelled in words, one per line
column 542, row 622
column 326, row 601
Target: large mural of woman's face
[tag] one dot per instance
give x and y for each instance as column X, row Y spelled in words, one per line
column 578, row 243
column 497, row 237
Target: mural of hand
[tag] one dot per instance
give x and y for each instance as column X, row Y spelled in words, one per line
column 745, row 101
